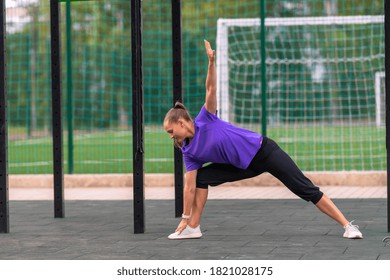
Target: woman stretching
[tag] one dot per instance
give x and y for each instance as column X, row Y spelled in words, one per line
column 235, row 154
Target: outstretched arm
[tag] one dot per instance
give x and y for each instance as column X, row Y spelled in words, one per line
column 211, row 80
column 189, row 195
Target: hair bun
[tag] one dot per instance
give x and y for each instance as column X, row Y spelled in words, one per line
column 179, row 105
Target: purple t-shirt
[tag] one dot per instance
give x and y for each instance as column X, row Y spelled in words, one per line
column 218, row 141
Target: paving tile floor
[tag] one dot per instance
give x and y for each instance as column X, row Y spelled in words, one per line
column 250, row 229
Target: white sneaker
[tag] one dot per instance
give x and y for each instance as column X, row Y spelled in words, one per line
column 187, row 233
column 352, row 231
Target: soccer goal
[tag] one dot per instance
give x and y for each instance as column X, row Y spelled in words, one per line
column 319, row 69
column 324, row 86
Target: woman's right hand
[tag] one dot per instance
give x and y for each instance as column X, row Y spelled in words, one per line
column 183, row 224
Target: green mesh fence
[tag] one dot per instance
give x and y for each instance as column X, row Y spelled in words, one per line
column 323, row 84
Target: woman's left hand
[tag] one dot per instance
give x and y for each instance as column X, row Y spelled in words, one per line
column 210, row 52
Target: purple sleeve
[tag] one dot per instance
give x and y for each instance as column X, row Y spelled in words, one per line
column 190, row 163
column 205, row 116
column 202, row 118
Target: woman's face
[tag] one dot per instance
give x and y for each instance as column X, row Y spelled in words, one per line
column 176, row 131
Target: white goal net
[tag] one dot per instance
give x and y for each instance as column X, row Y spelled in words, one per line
column 324, row 85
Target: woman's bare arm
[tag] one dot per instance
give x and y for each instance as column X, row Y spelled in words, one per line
column 211, row 80
column 189, row 195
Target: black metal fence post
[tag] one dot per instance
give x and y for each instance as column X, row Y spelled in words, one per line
column 138, row 117
column 177, row 96
column 4, row 203
column 57, row 109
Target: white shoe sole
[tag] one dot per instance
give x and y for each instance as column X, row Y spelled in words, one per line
column 354, row 237
column 176, row 236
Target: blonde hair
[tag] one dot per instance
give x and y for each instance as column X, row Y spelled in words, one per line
column 179, row 111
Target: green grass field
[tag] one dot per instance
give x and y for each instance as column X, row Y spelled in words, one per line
column 314, row 149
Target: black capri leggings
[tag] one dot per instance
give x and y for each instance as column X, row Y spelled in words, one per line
column 270, row 158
